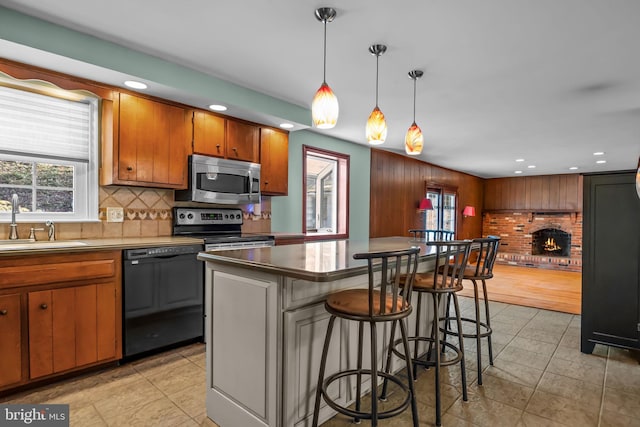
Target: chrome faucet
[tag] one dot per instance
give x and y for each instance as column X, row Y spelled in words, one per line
column 52, row 230
column 13, row 227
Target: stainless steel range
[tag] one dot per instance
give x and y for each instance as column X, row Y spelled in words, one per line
column 220, row 228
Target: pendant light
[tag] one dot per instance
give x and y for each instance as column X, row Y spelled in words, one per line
column 414, row 140
column 324, row 108
column 376, row 125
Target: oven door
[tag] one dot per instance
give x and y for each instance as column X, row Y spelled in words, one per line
column 213, row 180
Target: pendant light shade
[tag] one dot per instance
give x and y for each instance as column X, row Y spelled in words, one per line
column 413, row 141
column 376, row 129
column 324, row 108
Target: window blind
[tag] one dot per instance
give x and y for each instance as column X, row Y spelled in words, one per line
column 36, row 124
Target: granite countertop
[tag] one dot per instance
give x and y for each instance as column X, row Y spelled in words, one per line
column 321, row 261
column 21, row 248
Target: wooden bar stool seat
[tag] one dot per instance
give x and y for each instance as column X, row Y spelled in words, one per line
column 382, row 301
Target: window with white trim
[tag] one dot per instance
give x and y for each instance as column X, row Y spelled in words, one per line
column 48, row 152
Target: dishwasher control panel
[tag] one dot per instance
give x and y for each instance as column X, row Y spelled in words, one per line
column 161, row 251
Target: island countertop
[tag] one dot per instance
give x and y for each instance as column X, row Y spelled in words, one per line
column 320, row 261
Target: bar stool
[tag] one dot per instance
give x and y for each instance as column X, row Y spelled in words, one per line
column 428, row 235
column 382, row 301
column 451, row 261
column 486, row 250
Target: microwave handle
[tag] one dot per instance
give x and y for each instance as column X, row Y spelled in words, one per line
column 250, row 185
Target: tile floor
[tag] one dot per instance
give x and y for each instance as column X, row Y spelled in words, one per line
column 539, row 378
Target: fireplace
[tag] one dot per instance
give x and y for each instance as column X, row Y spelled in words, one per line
column 551, row 242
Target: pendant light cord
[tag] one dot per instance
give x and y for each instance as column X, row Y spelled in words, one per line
column 414, row 99
column 377, row 59
column 324, row 71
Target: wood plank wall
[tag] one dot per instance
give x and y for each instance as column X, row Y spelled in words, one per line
column 398, row 185
column 542, row 193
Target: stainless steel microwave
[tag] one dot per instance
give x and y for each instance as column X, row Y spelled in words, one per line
column 223, row 181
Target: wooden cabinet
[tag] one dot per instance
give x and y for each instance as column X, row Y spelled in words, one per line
column 150, row 144
column 534, row 193
column 610, row 253
column 71, row 304
column 209, row 134
column 242, row 141
column 274, row 162
column 217, row 136
column 10, row 337
column 70, row 327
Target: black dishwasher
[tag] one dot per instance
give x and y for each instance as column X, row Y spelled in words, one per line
column 162, row 298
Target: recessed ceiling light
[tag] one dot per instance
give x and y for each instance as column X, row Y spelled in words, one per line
column 531, row 166
column 217, row 107
column 573, row 168
column 601, row 161
column 135, row 85
column 599, row 153
column 519, row 160
column 286, row 125
column 518, row 172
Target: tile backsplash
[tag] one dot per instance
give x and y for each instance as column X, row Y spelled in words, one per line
column 147, row 213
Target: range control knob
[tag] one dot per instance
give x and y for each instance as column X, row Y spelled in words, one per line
column 226, row 216
column 238, row 216
column 181, row 216
column 190, row 216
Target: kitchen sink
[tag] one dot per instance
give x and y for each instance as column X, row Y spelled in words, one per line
column 22, row 244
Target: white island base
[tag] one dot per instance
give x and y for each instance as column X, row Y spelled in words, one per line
column 265, row 327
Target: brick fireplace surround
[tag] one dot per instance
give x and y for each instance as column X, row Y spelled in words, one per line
column 515, row 230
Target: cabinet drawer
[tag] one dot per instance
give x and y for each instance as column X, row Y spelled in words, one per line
column 39, row 270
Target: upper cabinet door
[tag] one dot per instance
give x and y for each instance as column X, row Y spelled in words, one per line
column 274, row 162
column 242, row 141
column 209, row 134
column 153, row 143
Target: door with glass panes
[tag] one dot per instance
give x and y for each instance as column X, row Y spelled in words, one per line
column 443, row 214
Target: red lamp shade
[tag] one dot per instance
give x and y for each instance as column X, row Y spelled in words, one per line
column 426, row 205
column 469, row 211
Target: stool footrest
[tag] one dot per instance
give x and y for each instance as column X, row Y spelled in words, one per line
column 483, row 334
column 428, row 362
column 388, row 413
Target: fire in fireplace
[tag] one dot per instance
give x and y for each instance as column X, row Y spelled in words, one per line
column 551, row 242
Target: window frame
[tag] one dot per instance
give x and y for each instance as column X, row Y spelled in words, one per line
column 85, row 178
column 341, row 195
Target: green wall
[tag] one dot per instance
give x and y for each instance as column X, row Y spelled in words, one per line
column 286, row 212
column 35, row 33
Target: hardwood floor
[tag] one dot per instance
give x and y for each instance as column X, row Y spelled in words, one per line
column 533, row 287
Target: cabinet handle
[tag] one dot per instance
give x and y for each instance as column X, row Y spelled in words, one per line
column 218, row 147
column 235, row 150
column 129, row 168
column 43, row 306
column 3, row 312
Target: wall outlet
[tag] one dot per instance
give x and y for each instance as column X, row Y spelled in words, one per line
column 115, row 214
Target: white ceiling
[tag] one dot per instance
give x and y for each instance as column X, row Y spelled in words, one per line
column 545, row 80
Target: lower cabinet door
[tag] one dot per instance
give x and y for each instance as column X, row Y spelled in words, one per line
column 10, row 334
column 71, row 327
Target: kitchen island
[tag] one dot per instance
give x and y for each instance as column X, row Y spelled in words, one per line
column 265, row 325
